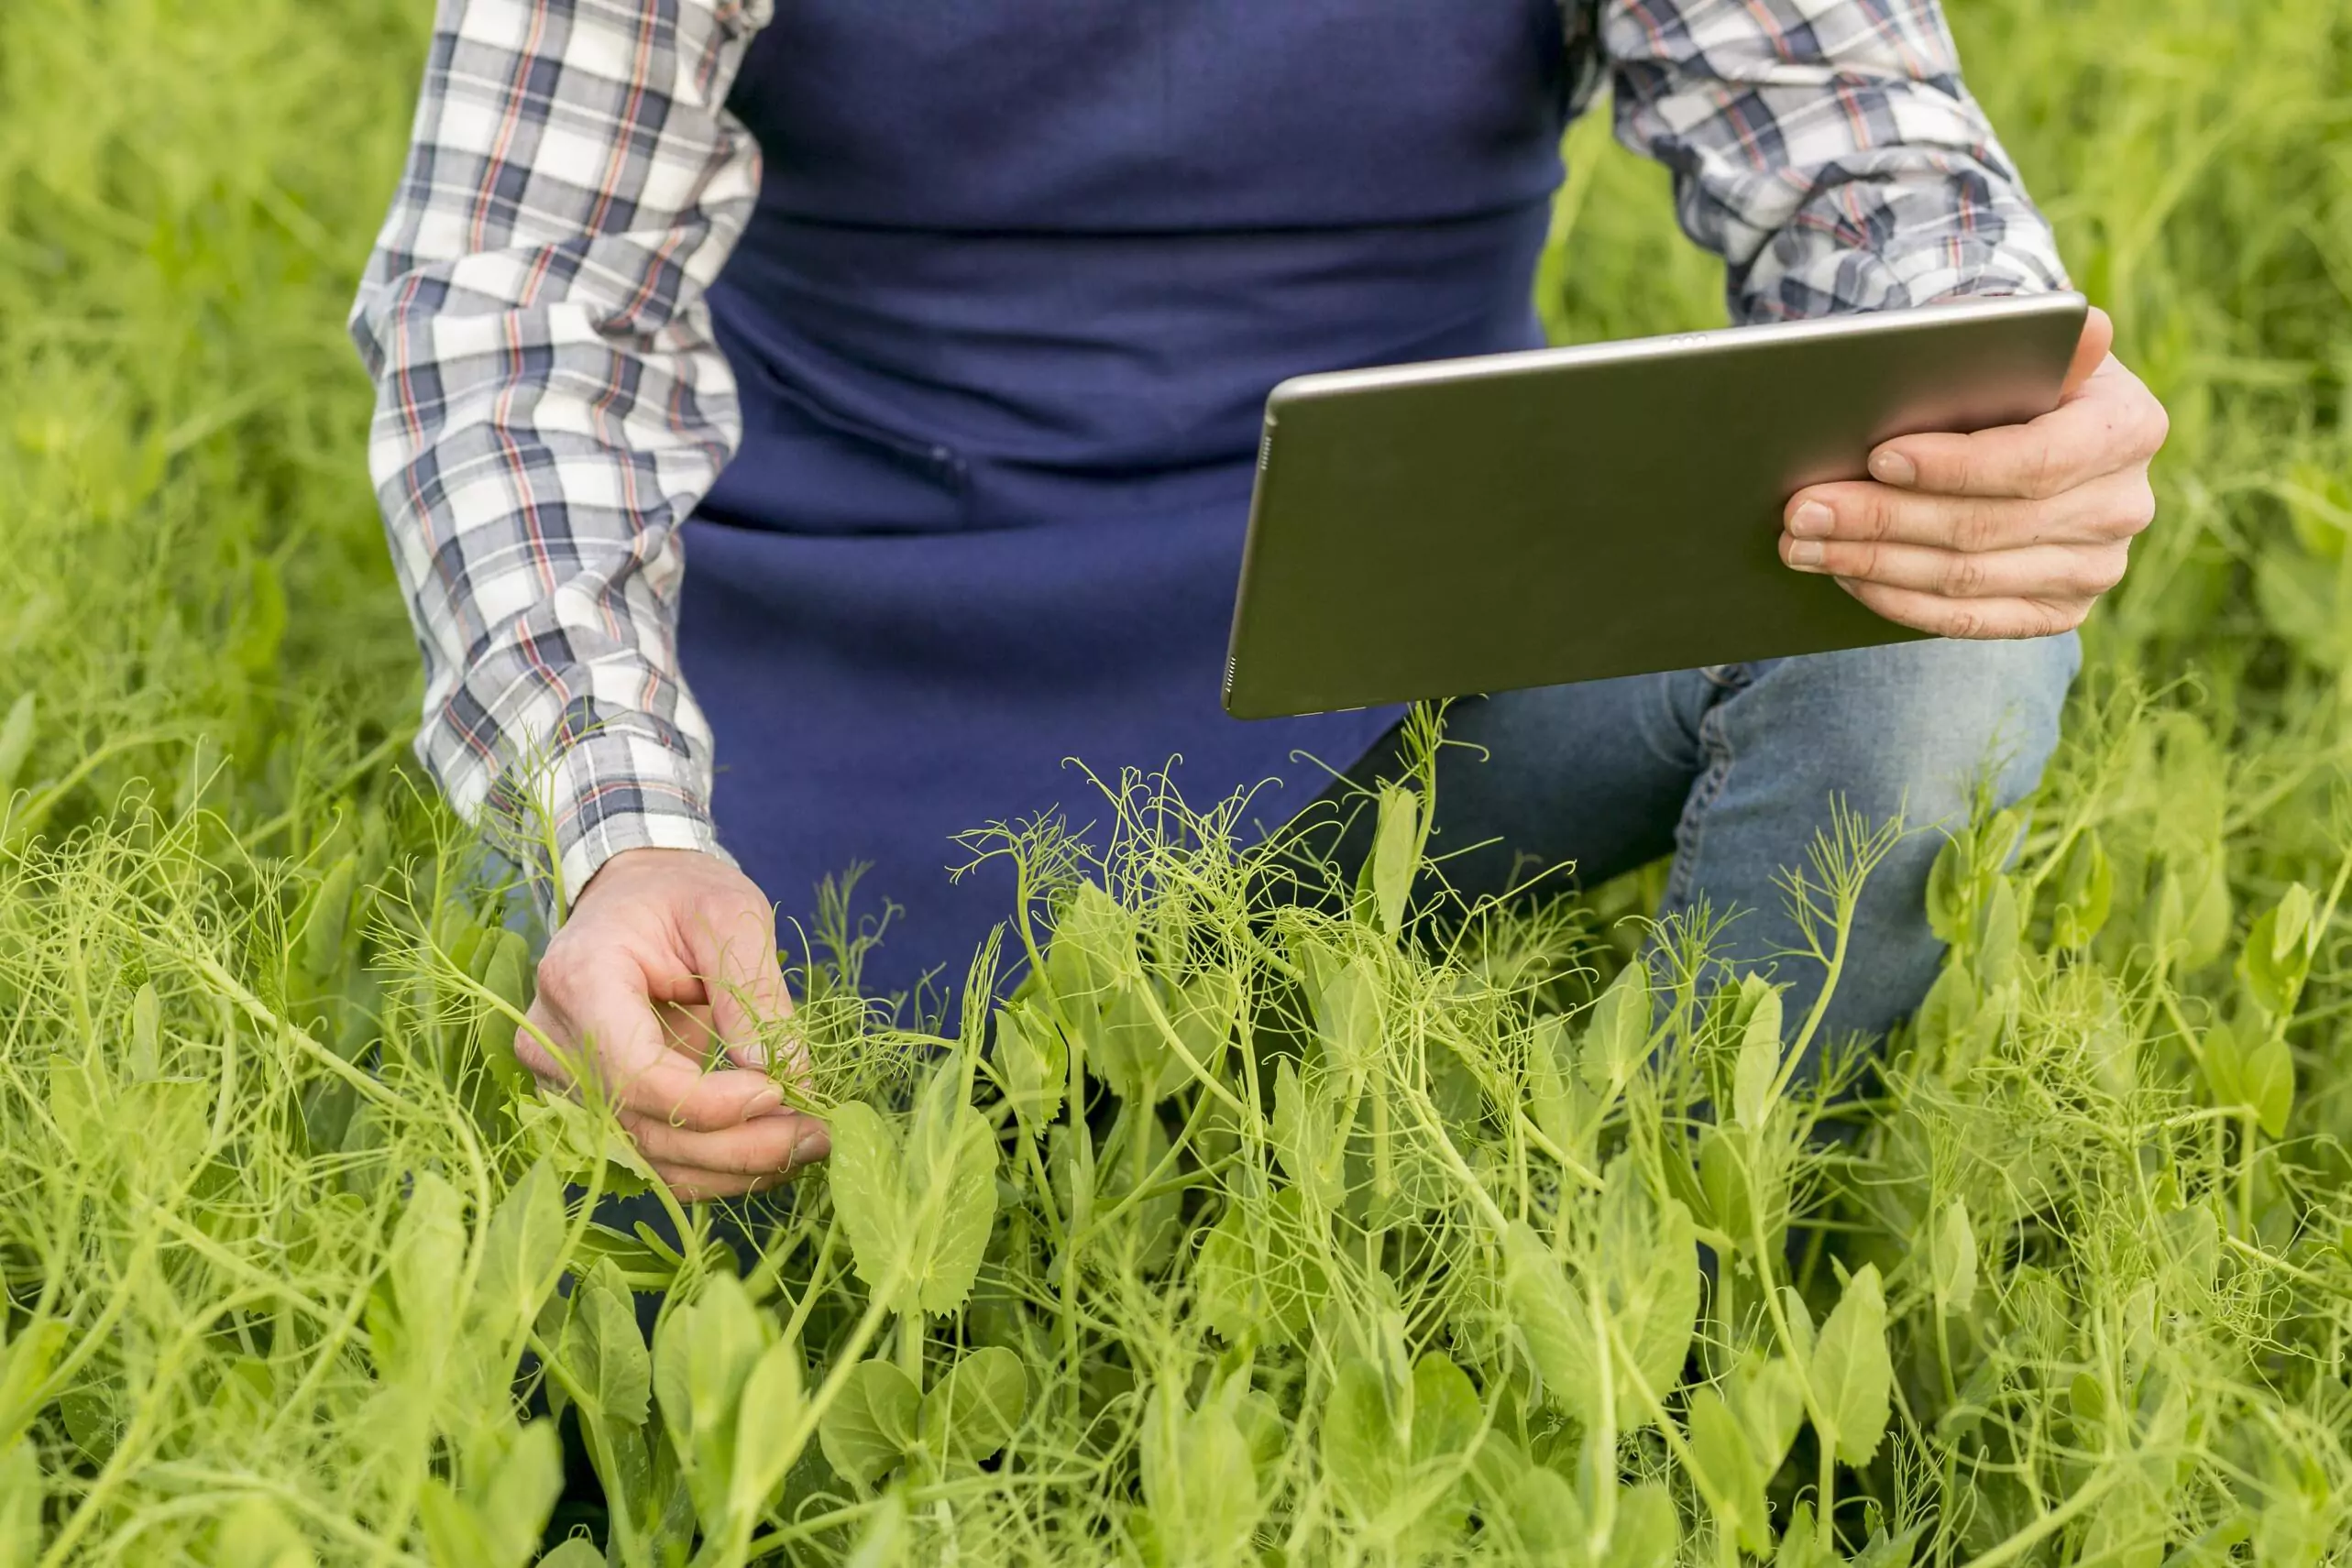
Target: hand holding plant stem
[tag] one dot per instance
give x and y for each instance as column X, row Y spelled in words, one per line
column 658, row 983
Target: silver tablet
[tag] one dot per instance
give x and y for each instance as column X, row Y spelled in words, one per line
column 1567, row 514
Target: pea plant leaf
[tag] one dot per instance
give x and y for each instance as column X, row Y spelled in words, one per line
column 1089, row 931
column 1950, row 888
column 1198, row 1477
column 252, row 1530
column 1362, row 1448
column 1616, row 1031
column 16, row 742
column 2222, row 1061
column 1092, row 972
column 2086, row 888
column 24, row 1367
column 454, row 1532
column 869, row 1184
column 1553, row 1322
column 428, row 1263
column 1639, row 1275
column 1998, row 933
column 1551, row 1096
column 1725, row 1190
column 1308, row 1139
column 1128, row 1048
column 522, row 1492
column 1546, row 1518
column 602, row 1351
column 1941, row 1026
column 1034, row 1062
column 506, row 974
column 519, row 1253
column 974, row 1410
column 1767, row 1394
column 329, row 918
column 1851, row 1374
column 2267, row 1082
column 1646, row 1256
column 952, row 1191
column 147, row 1033
column 1952, row 1257
column 1347, row 1020
column 2278, row 953
column 1648, row 1533
column 581, row 1138
column 1756, row 1071
column 1446, row 1410
column 918, row 1214
column 1255, row 1281
column 1396, row 855
column 1726, row 1471
column 703, row 1353
column 869, row 1427
column 767, row 1412
column 497, row 1523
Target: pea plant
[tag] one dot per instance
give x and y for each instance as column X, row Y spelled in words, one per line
column 1353, row 1227
column 1350, row 1226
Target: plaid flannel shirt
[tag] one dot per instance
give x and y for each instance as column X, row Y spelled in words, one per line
column 551, row 405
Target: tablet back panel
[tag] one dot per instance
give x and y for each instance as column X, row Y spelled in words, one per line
column 1570, row 514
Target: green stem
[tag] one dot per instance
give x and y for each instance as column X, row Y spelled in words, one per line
column 910, row 1346
column 1835, row 968
column 845, row 1362
column 2025, row 1539
column 2246, row 1129
column 1192, row 1064
column 1825, row 1484
column 1944, row 1354
column 798, row 1322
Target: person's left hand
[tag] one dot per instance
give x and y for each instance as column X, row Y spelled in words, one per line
column 2014, row 531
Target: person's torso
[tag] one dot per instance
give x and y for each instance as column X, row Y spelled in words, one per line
column 1019, row 277
column 1023, row 261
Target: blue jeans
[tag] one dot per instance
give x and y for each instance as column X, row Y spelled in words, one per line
column 1731, row 769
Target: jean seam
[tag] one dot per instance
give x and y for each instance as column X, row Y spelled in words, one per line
column 1690, row 833
column 1658, row 719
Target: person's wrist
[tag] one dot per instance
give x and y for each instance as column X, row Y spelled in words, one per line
column 622, row 784
column 627, row 865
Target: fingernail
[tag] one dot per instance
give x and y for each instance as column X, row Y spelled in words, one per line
column 1805, row 556
column 1812, row 521
column 1894, row 468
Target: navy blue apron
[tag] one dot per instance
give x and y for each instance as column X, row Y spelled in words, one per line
column 1020, row 276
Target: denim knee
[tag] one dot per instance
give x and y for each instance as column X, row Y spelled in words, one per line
column 1914, row 727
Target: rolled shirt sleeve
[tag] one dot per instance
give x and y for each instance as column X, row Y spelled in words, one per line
column 1827, row 150
column 551, row 404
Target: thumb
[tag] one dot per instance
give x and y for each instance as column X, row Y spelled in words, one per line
column 2090, row 350
column 733, row 950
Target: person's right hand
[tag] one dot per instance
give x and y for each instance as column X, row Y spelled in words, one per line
column 667, row 955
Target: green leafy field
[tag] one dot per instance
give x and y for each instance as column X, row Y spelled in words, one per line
column 1378, row 1239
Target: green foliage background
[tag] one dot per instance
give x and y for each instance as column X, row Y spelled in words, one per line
column 229, row 915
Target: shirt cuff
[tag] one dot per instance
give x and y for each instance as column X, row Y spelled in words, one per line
column 621, row 785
